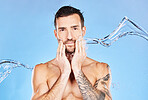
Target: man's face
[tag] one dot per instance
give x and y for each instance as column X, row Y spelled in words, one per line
column 68, row 29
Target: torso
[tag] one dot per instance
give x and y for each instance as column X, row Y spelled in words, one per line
column 72, row 91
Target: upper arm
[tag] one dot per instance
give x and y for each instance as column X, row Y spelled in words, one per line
column 103, row 83
column 39, row 79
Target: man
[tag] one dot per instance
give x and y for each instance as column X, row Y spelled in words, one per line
column 71, row 75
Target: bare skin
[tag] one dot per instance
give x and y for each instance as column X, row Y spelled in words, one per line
column 71, row 75
column 92, row 69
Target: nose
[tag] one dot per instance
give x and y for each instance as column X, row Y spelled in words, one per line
column 69, row 35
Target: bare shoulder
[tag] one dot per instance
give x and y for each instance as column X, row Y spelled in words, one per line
column 41, row 74
column 44, row 68
column 100, row 68
column 40, row 68
column 103, row 70
column 103, row 67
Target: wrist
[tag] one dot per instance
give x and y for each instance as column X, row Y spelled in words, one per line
column 65, row 72
column 76, row 66
column 65, row 75
column 76, row 70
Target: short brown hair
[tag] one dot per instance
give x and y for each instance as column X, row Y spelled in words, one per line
column 66, row 11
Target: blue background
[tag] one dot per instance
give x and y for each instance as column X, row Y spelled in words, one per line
column 26, row 35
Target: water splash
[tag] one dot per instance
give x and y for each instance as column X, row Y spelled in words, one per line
column 6, row 66
column 126, row 27
column 115, row 86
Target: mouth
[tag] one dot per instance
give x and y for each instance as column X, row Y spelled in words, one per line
column 69, row 44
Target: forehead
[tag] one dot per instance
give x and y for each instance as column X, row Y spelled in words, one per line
column 67, row 21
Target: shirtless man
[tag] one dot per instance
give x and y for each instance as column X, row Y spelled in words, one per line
column 71, row 75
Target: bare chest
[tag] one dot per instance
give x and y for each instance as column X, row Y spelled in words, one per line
column 71, row 91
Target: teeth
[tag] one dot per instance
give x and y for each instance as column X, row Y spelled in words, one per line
column 70, row 44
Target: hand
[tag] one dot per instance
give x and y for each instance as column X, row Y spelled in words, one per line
column 79, row 55
column 62, row 60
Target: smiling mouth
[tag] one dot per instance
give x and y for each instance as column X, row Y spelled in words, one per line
column 69, row 44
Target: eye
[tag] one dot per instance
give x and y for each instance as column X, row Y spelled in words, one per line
column 75, row 28
column 62, row 29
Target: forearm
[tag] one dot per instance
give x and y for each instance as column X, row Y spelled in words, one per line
column 56, row 92
column 87, row 90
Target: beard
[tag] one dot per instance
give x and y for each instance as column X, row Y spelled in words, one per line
column 69, row 51
column 69, row 48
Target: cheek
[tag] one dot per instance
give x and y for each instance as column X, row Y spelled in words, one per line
column 62, row 37
column 77, row 36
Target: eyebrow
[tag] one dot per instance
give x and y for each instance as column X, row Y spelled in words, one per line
column 71, row 27
column 62, row 28
column 74, row 26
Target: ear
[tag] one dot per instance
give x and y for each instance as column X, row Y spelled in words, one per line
column 55, row 33
column 83, row 31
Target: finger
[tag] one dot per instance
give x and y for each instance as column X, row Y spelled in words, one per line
column 58, row 50
column 63, row 50
column 80, row 46
column 83, row 46
column 77, row 45
column 61, row 47
column 84, row 52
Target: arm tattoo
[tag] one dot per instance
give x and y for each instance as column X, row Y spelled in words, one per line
column 102, row 80
column 87, row 90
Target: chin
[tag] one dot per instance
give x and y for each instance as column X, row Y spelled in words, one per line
column 70, row 50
